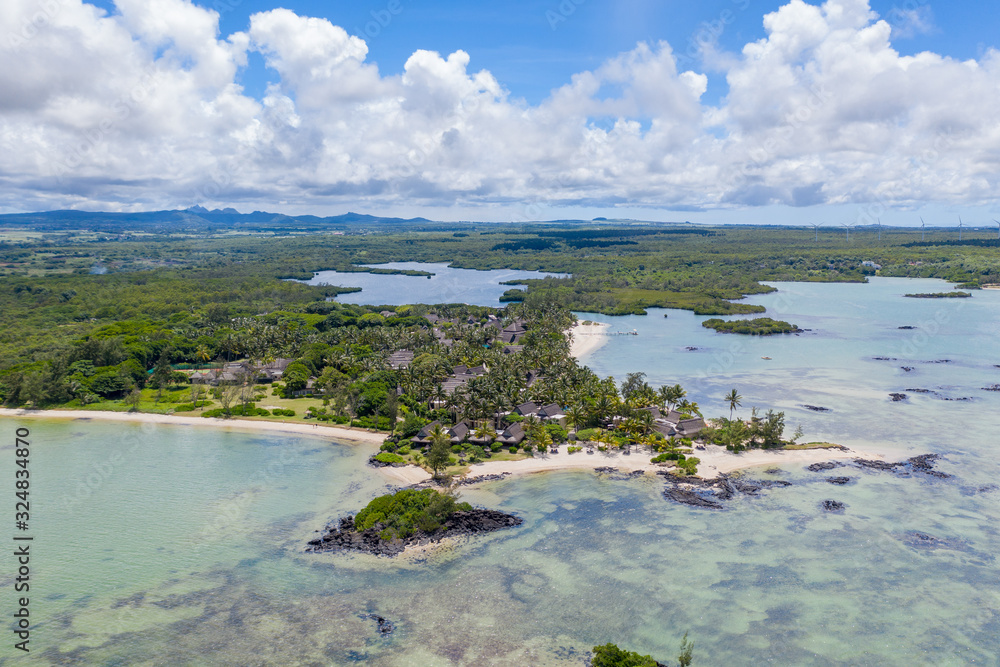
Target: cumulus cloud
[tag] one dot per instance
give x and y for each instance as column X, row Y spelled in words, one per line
column 143, row 108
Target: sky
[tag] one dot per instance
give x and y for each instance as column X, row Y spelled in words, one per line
column 740, row 111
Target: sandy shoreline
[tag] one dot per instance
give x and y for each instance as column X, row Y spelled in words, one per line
column 585, row 339
column 340, row 434
column 715, row 460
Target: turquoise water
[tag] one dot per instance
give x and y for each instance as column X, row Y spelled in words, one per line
column 183, row 545
column 447, row 285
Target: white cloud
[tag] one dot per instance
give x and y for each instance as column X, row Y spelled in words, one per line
column 142, row 109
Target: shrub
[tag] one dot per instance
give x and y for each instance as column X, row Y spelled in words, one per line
column 390, row 458
column 283, row 412
column 400, row 514
column 389, row 446
column 404, row 450
column 610, row 655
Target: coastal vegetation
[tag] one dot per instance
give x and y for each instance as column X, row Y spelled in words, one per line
column 114, row 320
column 62, row 282
column 391, row 523
column 610, row 655
column 940, row 295
column 758, row 326
column 405, row 512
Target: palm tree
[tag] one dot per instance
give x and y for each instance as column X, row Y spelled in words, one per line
column 203, row 353
column 437, row 457
column 671, row 396
column 577, row 416
column 733, row 399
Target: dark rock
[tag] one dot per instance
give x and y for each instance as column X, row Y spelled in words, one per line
column 918, row 464
column 345, row 538
column 992, row 387
column 817, row 408
column 839, row 481
column 921, row 391
column 824, row 465
column 616, row 474
column 907, row 327
column 708, row 492
column 772, row 471
column 895, row 397
column 915, row 538
column 385, row 627
column 689, row 497
column 483, row 478
column 906, row 369
column 833, row 506
column 885, row 359
column 960, row 398
column 939, row 361
column 691, row 348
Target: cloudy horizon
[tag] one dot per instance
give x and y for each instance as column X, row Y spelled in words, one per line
column 148, row 106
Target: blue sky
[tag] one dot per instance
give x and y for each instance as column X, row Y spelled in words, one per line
column 533, row 46
column 638, row 138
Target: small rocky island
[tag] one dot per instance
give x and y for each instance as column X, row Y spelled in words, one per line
column 393, row 522
column 758, row 326
column 940, row 295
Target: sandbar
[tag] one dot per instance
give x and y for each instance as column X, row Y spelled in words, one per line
column 585, row 339
column 338, row 433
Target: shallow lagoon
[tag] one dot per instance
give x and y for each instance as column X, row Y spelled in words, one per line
column 187, row 549
column 447, row 285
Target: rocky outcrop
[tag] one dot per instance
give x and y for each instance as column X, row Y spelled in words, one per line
column 833, row 505
column 709, row 493
column 895, row 397
column 343, row 536
column 385, row 626
column 817, row 408
column 824, row 465
column 923, row 464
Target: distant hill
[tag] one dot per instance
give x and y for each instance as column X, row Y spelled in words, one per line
column 196, row 219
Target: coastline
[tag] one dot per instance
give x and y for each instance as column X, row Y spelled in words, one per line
column 715, row 460
column 338, row 433
column 586, row 339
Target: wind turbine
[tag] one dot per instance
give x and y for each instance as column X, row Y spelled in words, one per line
column 848, row 228
column 816, row 227
column 959, row 228
column 998, row 229
column 922, row 225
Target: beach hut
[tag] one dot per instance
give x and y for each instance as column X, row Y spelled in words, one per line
column 459, row 432
column 526, row 409
column 423, row 436
column 688, row 428
column 512, row 435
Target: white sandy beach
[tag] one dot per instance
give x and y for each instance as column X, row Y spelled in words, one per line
column 338, row 433
column 585, row 339
column 714, row 459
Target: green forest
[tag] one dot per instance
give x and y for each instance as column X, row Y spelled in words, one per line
column 119, row 321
